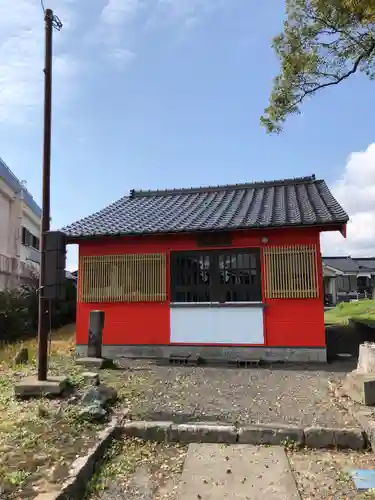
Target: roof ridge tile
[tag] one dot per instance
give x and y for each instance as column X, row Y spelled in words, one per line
column 224, row 187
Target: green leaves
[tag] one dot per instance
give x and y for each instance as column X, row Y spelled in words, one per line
column 322, row 44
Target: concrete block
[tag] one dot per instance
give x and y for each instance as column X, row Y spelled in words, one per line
column 360, row 387
column 319, row 437
column 152, row 431
column 93, row 363
column 349, row 438
column 204, row 433
column 239, row 472
column 271, row 434
column 91, row 378
column 32, row 387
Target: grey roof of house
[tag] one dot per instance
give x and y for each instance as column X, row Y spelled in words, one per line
column 350, row 264
column 14, row 183
column 343, row 264
column 291, row 202
column 365, row 263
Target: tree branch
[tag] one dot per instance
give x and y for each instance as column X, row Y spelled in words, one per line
column 334, row 29
column 339, row 79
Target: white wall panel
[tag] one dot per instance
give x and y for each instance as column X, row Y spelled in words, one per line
column 217, row 325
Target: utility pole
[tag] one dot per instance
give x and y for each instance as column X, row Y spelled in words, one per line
column 43, row 306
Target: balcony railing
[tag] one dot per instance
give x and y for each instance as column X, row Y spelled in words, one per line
column 15, row 267
column 34, row 255
column 6, row 264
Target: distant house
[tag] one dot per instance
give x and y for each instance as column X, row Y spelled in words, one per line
column 20, row 219
column 230, row 271
column 345, row 277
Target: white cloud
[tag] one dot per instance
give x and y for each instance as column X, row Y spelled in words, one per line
column 355, row 191
column 180, row 10
column 21, row 56
column 118, row 12
column 122, row 55
column 150, row 14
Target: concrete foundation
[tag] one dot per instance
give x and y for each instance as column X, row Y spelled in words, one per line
column 213, row 353
column 32, row 387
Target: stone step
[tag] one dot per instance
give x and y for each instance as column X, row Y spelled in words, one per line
column 241, row 472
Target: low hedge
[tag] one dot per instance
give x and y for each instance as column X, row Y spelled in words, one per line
column 19, row 311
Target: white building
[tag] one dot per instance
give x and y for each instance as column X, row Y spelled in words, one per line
column 20, row 219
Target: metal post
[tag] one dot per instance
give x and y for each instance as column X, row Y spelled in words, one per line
column 43, row 313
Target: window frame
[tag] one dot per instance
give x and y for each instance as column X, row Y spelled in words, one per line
column 28, row 239
column 215, row 291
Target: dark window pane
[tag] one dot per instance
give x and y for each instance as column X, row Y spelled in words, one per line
column 216, row 276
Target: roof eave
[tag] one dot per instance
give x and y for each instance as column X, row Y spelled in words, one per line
column 337, row 226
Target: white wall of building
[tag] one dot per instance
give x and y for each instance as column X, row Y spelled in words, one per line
column 15, row 258
column 5, row 209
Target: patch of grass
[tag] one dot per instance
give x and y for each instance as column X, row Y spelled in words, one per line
column 290, row 445
column 124, row 457
column 16, row 478
column 343, row 477
column 37, row 435
column 361, row 310
column 40, row 438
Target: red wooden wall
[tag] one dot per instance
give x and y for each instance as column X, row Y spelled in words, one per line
column 298, row 322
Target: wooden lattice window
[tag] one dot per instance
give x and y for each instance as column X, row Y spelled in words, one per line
column 291, row 272
column 123, row 278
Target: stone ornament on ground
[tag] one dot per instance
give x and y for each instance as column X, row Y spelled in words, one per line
column 359, row 385
column 366, row 358
column 96, row 400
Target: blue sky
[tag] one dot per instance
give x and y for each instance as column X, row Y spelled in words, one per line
column 168, row 93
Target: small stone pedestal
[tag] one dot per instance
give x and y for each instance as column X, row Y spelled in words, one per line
column 359, row 385
column 92, row 363
column 32, row 387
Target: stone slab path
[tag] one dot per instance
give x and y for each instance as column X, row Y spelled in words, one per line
column 243, row 472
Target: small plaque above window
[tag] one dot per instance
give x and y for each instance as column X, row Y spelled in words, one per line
column 214, row 239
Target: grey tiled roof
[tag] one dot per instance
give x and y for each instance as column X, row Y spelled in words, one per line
column 365, row 263
column 291, row 202
column 351, row 265
column 343, row 264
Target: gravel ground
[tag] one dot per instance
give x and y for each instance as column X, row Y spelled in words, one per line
column 296, row 395
column 323, row 474
column 139, row 470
